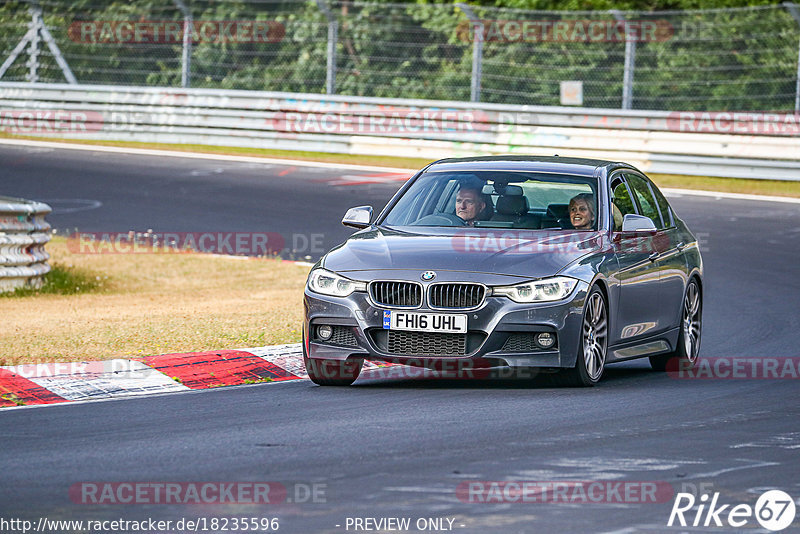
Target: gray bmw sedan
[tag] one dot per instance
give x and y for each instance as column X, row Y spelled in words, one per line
column 560, row 264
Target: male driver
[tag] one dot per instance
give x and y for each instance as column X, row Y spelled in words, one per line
column 469, row 204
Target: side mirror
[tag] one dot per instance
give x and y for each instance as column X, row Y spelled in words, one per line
column 358, row 217
column 637, row 223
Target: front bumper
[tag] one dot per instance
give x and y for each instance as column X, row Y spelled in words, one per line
column 489, row 328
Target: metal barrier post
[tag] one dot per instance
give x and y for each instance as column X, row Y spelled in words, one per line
column 186, row 56
column 477, row 52
column 795, row 12
column 630, row 62
column 333, row 37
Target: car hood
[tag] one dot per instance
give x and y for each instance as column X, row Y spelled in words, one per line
column 523, row 253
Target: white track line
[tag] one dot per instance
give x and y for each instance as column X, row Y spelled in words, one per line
column 338, row 166
column 733, row 196
column 200, row 155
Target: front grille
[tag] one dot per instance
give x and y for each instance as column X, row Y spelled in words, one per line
column 520, row 343
column 396, row 294
column 426, row 343
column 455, row 296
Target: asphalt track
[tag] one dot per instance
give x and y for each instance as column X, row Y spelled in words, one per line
column 394, row 446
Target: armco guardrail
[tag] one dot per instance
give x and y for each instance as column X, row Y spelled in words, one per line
column 763, row 145
column 23, row 235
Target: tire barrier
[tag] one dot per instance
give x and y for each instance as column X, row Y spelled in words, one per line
column 23, row 235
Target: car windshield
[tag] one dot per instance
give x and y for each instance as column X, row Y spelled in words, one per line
column 498, row 199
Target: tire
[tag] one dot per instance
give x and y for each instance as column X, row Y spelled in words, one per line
column 687, row 351
column 593, row 346
column 332, row 372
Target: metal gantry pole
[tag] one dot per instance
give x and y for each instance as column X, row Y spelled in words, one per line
column 17, row 51
column 33, row 44
column 477, row 52
column 333, row 37
column 53, row 46
column 37, row 30
column 186, row 55
column 795, row 12
column 630, row 62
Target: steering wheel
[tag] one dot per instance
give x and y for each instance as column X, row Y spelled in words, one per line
column 440, row 219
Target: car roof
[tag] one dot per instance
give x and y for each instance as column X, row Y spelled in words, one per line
column 555, row 164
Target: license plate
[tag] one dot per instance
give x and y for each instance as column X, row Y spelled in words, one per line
column 425, row 322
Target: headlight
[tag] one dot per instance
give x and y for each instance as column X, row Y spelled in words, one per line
column 328, row 283
column 549, row 289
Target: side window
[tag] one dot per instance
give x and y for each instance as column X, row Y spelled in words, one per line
column 644, row 197
column 663, row 205
column 622, row 204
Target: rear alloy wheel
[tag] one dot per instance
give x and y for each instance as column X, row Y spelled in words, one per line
column 594, row 344
column 688, row 349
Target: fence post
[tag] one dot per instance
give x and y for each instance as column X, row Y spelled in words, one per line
column 795, row 12
column 630, row 62
column 186, row 56
column 333, row 37
column 477, row 52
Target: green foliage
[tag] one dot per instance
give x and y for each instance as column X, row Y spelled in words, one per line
column 63, row 280
column 743, row 59
column 623, row 5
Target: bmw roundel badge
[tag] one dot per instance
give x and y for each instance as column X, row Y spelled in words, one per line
column 427, row 276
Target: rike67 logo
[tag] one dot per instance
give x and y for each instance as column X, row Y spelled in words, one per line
column 774, row 510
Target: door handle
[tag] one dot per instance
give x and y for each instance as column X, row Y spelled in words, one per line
column 680, row 245
column 653, row 256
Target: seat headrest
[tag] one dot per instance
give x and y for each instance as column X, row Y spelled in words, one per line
column 558, row 211
column 512, row 205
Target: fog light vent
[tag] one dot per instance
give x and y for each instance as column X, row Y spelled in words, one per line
column 529, row 342
column 336, row 335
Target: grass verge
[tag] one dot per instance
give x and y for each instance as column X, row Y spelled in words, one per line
column 151, row 304
column 704, row 183
column 62, row 280
column 778, row 188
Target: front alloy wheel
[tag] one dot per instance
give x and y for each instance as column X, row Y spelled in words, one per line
column 331, row 372
column 594, row 344
column 687, row 350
